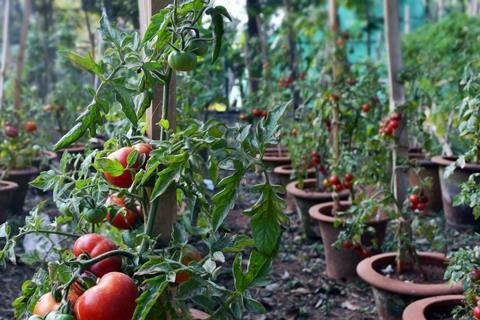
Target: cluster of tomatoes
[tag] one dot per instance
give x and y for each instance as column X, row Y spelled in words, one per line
column 388, row 126
column 13, row 132
column 418, row 202
column 284, row 83
column 256, row 113
column 359, row 249
column 336, row 183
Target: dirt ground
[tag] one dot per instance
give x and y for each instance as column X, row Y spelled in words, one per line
column 299, row 288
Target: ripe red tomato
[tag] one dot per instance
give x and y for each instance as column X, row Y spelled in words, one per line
column 189, row 254
column 335, row 180
column 475, row 274
column 338, row 187
column 396, row 116
column 366, row 253
column 11, row 131
column 124, row 218
column 95, row 245
column 348, row 184
column 414, row 199
column 347, row 244
column 45, row 305
column 388, row 131
column 30, row 126
column 476, row 312
column 366, row 107
column 421, row 206
column 112, row 298
column 349, row 177
column 125, row 180
column 393, row 124
column 257, row 113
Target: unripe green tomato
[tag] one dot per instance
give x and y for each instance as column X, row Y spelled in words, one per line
column 59, row 316
column 182, row 61
column 95, row 215
column 198, row 47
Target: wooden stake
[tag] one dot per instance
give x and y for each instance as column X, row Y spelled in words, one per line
column 167, row 208
column 17, row 90
column 5, row 48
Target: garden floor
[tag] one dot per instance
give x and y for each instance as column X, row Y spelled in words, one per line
column 299, row 288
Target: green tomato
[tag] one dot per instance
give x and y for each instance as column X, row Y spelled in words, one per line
column 59, row 316
column 95, row 215
column 198, row 47
column 182, row 61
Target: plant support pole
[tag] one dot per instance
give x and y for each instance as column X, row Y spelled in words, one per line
column 5, row 48
column 166, row 212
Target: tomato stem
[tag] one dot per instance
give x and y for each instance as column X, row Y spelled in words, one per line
column 87, row 263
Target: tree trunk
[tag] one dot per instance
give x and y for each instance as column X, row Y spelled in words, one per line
column 5, row 48
column 17, row 91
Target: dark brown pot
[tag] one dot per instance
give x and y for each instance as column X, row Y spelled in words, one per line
column 457, row 216
column 21, row 177
column 426, row 169
column 305, row 199
column 282, row 175
column 424, row 309
column 7, row 191
column 392, row 296
column 44, row 160
column 272, row 160
column 341, row 262
column 276, row 149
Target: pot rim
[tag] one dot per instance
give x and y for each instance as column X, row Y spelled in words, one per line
column 293, row 189
column 22, row 172
column 287, row 169
column 315, row 213
column 276, row 158
column 6, row 186
column 50, row 154
column 417, row 309
column 369, row 274
column 448, row 160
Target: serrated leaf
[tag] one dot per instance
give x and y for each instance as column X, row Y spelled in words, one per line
column 225, row 199
column 73, row 135
column 154, row 288
column 112, row 167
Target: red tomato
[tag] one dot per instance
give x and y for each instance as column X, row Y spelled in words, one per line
column 189, row 254
column 335, row 180
column 396, row 116
column 264, row 114
column 347, row 244
column 339, row 187
column 393, row 124
column 388, row 131
column 366, row 253
column 45, row 305
column 366, row 107
column 476, row 312
column 30, row 126
column 347, row 184
column 349, row 177
column 125, row 218
column 125, row 180
column 421, row 206
column 414, row 199
column 257, row 113
column 11, row 131
column 112, row 298
column 475, row 274
column 95, row 245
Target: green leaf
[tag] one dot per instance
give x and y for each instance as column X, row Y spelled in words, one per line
column 132, row 158
column 225, row 199
column 164, row 179
column 73, row 135
column 142, row 102
column 154, row 288
column 127, row 107
column 112, row 167
column 217, row 14
column 156, row 23
column 86, row 63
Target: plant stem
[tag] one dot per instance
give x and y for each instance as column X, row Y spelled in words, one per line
column 109, row 254
column 60, row 233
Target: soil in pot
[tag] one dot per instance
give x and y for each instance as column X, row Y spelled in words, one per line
column 393, row 295
column 7, row 191
column 342, row 262
column 426, row 169
column 461, row 216
column 282, row 175
column 434, row 308
column 22, row 177
column 308, row 197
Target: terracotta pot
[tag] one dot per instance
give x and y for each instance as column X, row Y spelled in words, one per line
column 426, row 169
column 341, row 262
column 305, row 199
column 274, row 159
column 276, row 149
column 424, row 309
column 21, row 177
column 457, row 216
column 392, row 296
column 7, row 191
column 282, row 175
column 44, row 160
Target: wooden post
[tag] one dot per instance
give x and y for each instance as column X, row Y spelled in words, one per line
column 5, row 48
column 407, row 19
column 396, row 89
column 473, row 8
column 167, row 208
column 17, row 90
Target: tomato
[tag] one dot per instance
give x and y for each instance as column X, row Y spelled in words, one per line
column 30, row 126
column 257, row 113
column 414, row 199
column 112, row 298
column 124, row 218
column 335, row 180
column 349, row 177
column 326, row 184
column 95, row 245
column 396, row 116
column 182, row 61
column 475, row 274
column 366, row 107
column 388, row 131
column 45, row 305
column 347, row 244
column 95, row 215
column 294, row 132
column 189, row 254
column 59, row 316
column 11, row 131
column 334, row 98
column 421, row 206
column 243, row 117
column 347, row 184
column 366, row 253
column 476, row 312
column 265, row 114
column 198, row 47
column 393, row 124
column 338, row 187
column 125, row 180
